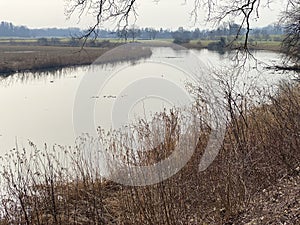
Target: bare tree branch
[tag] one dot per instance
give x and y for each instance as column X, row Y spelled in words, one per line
column 242, row 12
column 119, row 11
column 291, row 21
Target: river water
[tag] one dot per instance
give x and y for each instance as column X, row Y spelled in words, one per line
column 40, row 106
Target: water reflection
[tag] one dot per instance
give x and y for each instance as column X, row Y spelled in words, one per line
column 45, row 76
column 39, row 106
column 129, row 53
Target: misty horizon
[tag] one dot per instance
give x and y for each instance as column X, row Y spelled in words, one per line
column 130, row 26
column 38, row 14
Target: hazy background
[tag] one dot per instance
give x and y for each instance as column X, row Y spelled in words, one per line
column 167, row 14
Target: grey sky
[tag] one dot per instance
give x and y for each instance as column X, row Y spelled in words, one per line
column 167, row 14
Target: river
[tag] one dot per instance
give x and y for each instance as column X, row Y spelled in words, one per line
column 40, row 106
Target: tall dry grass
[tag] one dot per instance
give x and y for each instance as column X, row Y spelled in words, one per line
column 62, row 186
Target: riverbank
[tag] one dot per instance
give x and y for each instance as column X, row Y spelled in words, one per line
column 257, row 45
column 33, row 57
column 253, row 180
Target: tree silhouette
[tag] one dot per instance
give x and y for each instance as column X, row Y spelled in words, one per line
column 242, row 12
column 291, row 42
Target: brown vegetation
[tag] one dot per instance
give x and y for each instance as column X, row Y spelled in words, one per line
column 259, row 45
column 32, row 58
column 261, row 146
column 36, row 58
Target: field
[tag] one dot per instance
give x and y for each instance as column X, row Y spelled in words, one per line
column 254, row 45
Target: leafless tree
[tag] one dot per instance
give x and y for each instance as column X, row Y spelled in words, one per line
column 242, row 12
column 134, row 32
column 102, row 11
column 291, row 22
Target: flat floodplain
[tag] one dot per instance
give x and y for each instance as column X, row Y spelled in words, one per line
column 33, row 58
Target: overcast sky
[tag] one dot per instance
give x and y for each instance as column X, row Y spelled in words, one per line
column 167, row 14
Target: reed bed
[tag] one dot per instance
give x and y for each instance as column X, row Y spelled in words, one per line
column 62, row 185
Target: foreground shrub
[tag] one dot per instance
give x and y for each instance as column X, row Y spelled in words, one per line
column 62, row 186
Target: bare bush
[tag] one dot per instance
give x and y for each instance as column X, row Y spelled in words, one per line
column 62, row 186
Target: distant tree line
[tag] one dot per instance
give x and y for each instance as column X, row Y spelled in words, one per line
column 181, row 35
column 9, row 30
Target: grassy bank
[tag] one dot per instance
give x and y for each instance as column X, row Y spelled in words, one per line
column 254, row 45
column 34, row 58
column 261, row 146
column 20, row 58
